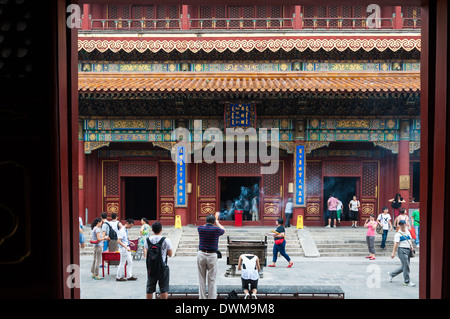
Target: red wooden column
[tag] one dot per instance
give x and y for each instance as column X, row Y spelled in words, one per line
column 86, row 20
column 184, row 18
column 298, row 23
column 82, row 182
column 398, row 19
column 434, row 278
column 403, row 162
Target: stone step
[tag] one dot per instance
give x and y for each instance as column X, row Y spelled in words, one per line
column 224, row 251
column 189, row 241
column 347, row 241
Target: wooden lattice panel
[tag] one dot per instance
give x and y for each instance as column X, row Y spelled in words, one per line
column 161, row 14
column 166, row 179
column 347, row 12
column 359, row 12
column 206, row 13
column 238, row 169
column 272, row 183
column 141, row 169
column 409, row 13
column 220, row 13
column 334, row 13
column 111, row 179
column 369, row 179
column 234, row 12
column 314, row 179
column 342, row 169
column 125, row 15
column 248, row 13
column 207, row 179
column 173, row 13
column 321, row 13
column 261, row 13
column 137, row 13
column 308, row 12
column 276, row 12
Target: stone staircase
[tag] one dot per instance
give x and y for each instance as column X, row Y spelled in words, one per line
column 348, row 242
column 188, row 245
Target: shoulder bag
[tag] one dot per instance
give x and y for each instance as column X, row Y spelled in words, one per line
column 412, row 252
column 379, row 229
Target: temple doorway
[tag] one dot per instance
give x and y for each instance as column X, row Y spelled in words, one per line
column 238, row 193
column 343, row 188
column 140, row 194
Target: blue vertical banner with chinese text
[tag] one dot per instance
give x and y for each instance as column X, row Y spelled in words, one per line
column 180, row 193
column 299, row 173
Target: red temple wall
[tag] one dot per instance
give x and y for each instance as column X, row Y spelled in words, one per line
column 208, row 199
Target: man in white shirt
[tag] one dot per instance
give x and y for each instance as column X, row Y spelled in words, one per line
column 384, row 220
column 125, row 253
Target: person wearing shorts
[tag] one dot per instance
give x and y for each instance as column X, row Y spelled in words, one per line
column 166, row 250
column 249, row 264
column 332, row 207
column 354, row 209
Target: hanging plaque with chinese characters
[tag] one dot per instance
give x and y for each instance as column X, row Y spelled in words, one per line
column 299, row 176
column 180, row 194
column 240, row 115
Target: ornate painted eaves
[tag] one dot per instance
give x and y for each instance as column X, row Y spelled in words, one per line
column 300, row 42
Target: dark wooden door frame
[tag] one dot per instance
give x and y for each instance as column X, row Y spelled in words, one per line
column 435, row 136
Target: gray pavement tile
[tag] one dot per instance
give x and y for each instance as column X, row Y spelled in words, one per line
column 358, row 277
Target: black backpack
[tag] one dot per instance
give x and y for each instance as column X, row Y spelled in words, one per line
column 155, row 263
column 232, row 295
column 112, row 233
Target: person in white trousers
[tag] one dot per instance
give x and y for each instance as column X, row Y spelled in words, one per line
column 125, row 253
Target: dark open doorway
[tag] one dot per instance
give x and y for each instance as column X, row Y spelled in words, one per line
column 140, row 197
column 343, row 188
column 238, row 191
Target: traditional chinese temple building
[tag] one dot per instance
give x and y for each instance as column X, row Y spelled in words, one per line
column 346, row 92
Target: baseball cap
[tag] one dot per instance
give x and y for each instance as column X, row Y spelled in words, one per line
column 402, row 222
